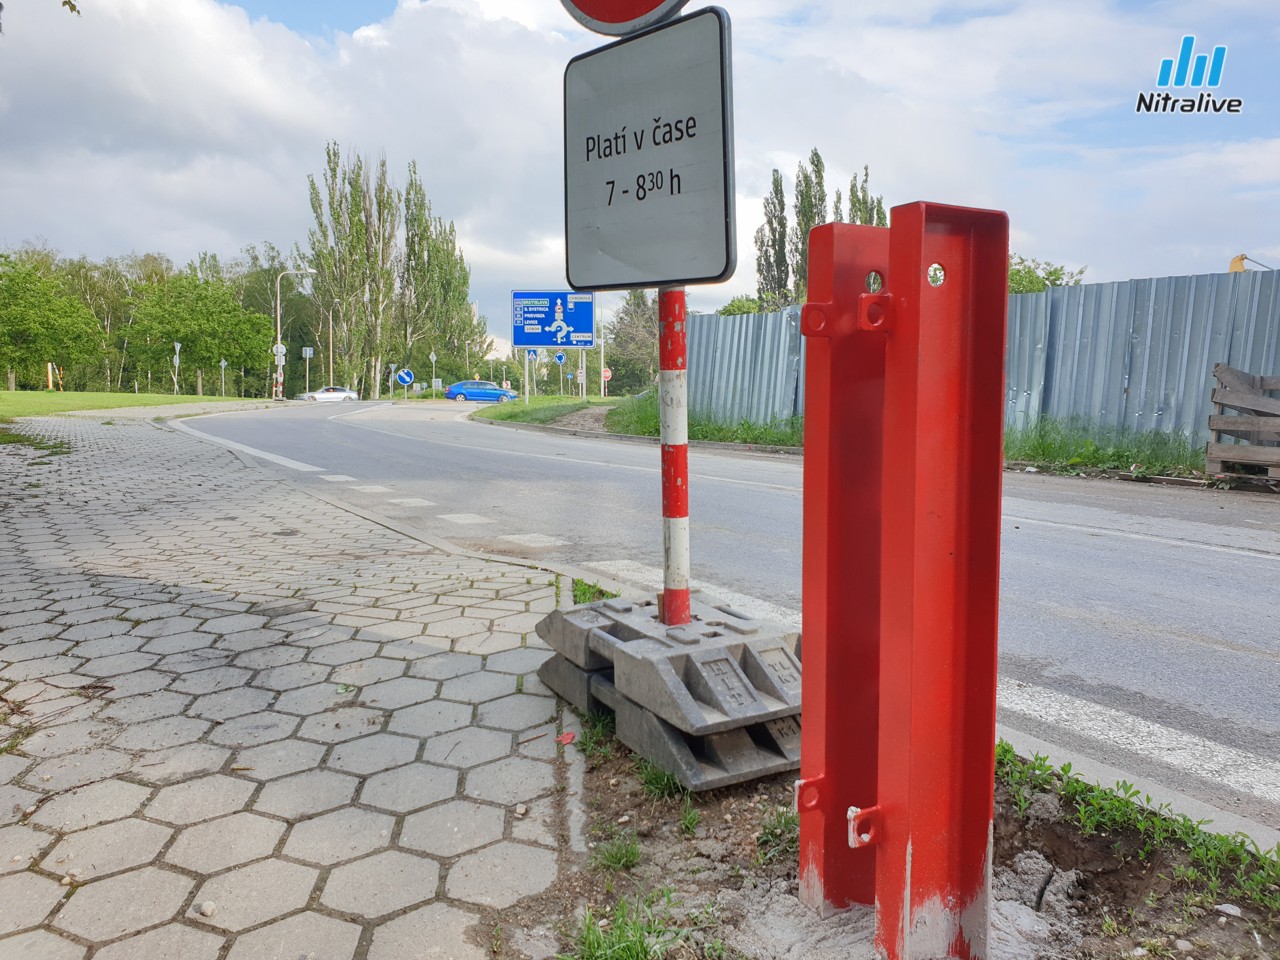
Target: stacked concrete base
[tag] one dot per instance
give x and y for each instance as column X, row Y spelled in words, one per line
column 714, row 702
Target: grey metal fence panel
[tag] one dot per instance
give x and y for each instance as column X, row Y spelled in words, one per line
column 1137, row 354
column 745, row 367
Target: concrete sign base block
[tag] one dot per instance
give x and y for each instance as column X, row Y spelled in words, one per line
column 706, row 762
column 720, row 672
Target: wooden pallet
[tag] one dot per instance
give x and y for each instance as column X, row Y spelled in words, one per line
column 1256, row 400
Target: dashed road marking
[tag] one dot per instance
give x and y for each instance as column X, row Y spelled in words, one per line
column 338, row 478
column 463, row 518
column 412, row 502
column 372, row 488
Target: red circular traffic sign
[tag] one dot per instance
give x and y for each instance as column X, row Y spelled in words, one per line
column 617, row 18
column 606, row 373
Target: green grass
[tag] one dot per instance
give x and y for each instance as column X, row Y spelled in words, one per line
column 584, row 591
column 1218, row 866
column 538, row 410
column 39, row 403
column 656, row 782
column 638, row 416
column 1077, row 446
column 690, row 817
column 619, row 852
column 779, row 836
column 644, row 929
column 596, row 740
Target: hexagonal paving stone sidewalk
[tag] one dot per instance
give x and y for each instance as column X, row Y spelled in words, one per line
column 221, row 745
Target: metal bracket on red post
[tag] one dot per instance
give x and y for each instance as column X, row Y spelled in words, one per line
column 903, row 433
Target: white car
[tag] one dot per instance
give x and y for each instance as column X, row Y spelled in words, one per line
column 331, row 393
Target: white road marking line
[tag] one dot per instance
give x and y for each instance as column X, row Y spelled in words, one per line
column 535, row 540
column 412, row 502
column 251, row 451
column 463, row 518
column 372, row 488
column 1168, row 541
column 1203, row 758
column 338, row 478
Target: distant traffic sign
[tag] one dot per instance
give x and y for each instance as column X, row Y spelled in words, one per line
column 555, row 318
column 531, row 354
column 404, row 377
column 560, row 358
column 606, row 374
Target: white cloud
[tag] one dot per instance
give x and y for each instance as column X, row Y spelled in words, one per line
column 184, row 125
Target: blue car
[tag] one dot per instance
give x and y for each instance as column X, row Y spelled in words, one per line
column 478, row 390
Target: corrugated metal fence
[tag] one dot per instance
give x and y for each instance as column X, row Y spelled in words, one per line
column 1134, row 353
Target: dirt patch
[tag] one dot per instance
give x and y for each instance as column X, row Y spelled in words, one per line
column 1057, row 895
column 590, row 418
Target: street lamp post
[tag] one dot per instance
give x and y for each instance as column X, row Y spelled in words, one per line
column 277, row 392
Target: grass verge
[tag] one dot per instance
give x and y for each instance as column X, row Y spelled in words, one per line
column 538, row 410
column 38, row 403
column 1077, row 446
column 1215, row 866
column 638, row 416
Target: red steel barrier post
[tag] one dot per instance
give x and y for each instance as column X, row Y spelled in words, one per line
column 920, row 804
column 673, row 403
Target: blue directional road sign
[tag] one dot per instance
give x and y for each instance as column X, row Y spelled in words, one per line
column 404, row 377
column 556, row 318
column 560, row 357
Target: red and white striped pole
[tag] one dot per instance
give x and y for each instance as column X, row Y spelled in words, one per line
column 673, row 404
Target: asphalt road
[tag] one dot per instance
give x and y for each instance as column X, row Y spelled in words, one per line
column 1140, row 624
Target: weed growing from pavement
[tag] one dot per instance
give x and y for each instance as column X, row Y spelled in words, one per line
column 596, row 739
column 584, row 591
column 1218, row 866
column 52, row 448
column 620, row 852
column 779, row 836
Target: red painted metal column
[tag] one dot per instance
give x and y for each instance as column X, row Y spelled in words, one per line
column 673, row 403
column 911, row 371
column 843, row 427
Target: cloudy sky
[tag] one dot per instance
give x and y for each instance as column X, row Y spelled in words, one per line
column 181, row 126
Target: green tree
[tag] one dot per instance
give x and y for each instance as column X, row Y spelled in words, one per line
column 633, row 343
column 810, row 209
column 206, row 317
column 739, row 305
column 40, row 323
column 435, row 284
column 1028, row 275
column 772, row 270
column 864, row 207
column 353, row 251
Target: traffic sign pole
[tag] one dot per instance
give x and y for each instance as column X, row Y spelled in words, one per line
column 673, row 405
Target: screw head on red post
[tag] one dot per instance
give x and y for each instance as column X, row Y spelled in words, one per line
column 619, row 18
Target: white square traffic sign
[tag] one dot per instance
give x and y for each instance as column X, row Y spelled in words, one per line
column 649, row 158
